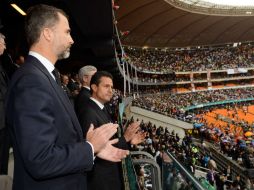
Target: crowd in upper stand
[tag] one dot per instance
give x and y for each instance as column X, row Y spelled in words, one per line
column 215, row 58
column 152, row 78
column 171, row 78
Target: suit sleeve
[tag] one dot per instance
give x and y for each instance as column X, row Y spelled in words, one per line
column 33, row 110
column 86, row 118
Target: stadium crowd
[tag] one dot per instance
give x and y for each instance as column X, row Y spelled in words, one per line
column 173, row 105
column 215, row 58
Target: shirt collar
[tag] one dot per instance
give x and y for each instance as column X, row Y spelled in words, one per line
column 97, row 102
column 45, row 62
column 88, row 88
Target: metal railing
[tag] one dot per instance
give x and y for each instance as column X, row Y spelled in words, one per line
column 195, row 183
column 155, row 169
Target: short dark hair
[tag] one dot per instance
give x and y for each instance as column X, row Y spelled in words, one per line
column 96, row 78
column 39, row 17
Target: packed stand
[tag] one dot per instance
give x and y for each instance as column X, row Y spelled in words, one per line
column 215, row 58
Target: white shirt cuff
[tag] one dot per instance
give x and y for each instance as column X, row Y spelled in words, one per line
column 92, row 149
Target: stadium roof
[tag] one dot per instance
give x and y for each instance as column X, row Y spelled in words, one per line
column 215, row 7
column 237, row 3
column 175, row 23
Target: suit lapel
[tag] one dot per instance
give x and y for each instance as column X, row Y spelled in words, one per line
column 61, row 94
column 100, row 112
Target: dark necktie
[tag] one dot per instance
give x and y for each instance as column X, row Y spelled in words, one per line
column 105, row 110
column 56, row 73
column 107, row 114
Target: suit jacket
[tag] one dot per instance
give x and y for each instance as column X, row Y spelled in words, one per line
column 80, row 100
column 7, row 68
column 105, row 175
column 3, row 90
column 49, row 150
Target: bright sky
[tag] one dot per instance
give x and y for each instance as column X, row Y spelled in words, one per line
column 232, row 2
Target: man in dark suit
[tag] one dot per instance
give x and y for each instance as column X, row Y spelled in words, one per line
column 4, row 137
column 7, row 68
column 85, row 74
column 69, row 93
column 50, row 151
column 105, row 175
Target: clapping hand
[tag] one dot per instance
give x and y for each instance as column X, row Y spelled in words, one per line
column 100, row 136
column 103, row 146
column 112, row 153
column 133, row 133
column 131, row 130
column 138, row 138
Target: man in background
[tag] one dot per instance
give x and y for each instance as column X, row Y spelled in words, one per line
column 105, row 175
column 4, row 137
column 85, row 74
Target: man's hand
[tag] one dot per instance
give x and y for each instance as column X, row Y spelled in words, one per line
column 138, row 138
column 100, row 136
column 131, row 131
column 112, row 153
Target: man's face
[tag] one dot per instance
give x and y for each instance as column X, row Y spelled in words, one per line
column 87, row 78
column 103, row 92
column 65, row 80
column 62, row 41
column 2, row 46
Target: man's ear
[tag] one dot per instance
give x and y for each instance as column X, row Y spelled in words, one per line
column 47, row 34
column 94, row 87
